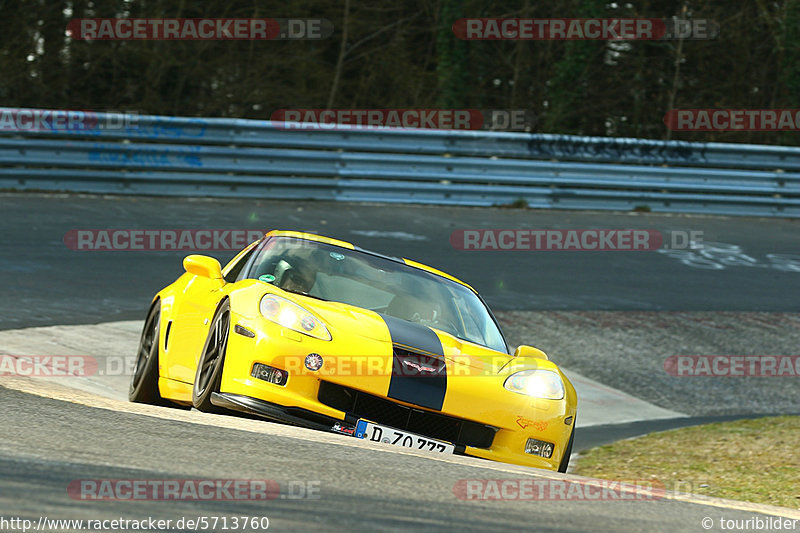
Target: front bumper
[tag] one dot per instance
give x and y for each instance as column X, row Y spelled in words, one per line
column 513, row 417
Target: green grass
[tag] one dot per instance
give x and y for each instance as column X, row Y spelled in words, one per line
column 749, row 460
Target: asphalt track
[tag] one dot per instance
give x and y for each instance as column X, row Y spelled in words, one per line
column 46, row 283
column 50, row 443
column 54, row 435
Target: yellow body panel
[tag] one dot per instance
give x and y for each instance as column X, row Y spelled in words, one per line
column 358, row 356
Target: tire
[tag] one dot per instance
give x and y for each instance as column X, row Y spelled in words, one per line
column 144, row 381
column 567, row 453
column 212, row 359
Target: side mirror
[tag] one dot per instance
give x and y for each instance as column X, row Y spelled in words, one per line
column 523, row 350
column 202, row 265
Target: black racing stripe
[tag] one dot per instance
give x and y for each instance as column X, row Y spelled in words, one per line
column 419, row 373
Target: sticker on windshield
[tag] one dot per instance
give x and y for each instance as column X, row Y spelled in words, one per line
column 337, row 256
column 269, row 278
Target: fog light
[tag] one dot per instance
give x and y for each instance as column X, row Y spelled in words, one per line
column 539, row 447
column 270, row 374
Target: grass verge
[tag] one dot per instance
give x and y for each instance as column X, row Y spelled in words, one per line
column 748, row 460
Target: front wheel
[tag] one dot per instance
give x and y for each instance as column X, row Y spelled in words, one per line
column 144, row 382
column 209, row 367
column 567, row 453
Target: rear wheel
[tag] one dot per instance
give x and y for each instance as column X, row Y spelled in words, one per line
column 209, row 367
column 144, row 382
column 567, row 453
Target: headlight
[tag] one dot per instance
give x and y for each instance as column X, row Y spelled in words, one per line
column 537, row 383
column 290, row 315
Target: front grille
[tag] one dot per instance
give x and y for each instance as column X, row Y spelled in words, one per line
column 382, row 411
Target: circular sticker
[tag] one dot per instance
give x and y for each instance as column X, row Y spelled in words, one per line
column 337, row 256
column 313, row 362
column 269, row 278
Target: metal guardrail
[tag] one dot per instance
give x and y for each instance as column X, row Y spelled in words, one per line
column 250, row 158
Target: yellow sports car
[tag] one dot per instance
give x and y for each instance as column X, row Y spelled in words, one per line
column 317, row 332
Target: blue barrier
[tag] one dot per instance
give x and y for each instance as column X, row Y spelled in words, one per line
column 132, row 154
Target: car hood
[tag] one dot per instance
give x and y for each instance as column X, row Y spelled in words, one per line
column 344, row 317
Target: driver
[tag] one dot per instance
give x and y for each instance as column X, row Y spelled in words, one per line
column 294, row 273
column 298, row 280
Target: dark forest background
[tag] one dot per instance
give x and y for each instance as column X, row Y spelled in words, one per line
column 403, row 54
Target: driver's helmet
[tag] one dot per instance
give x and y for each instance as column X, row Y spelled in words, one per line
column 295, row 274
column 297, row 280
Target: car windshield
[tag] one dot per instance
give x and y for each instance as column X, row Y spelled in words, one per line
column 372, row 282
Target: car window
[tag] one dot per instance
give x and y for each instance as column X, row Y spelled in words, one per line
column 234, row 274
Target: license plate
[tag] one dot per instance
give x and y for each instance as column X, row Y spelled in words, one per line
column 378, row 433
